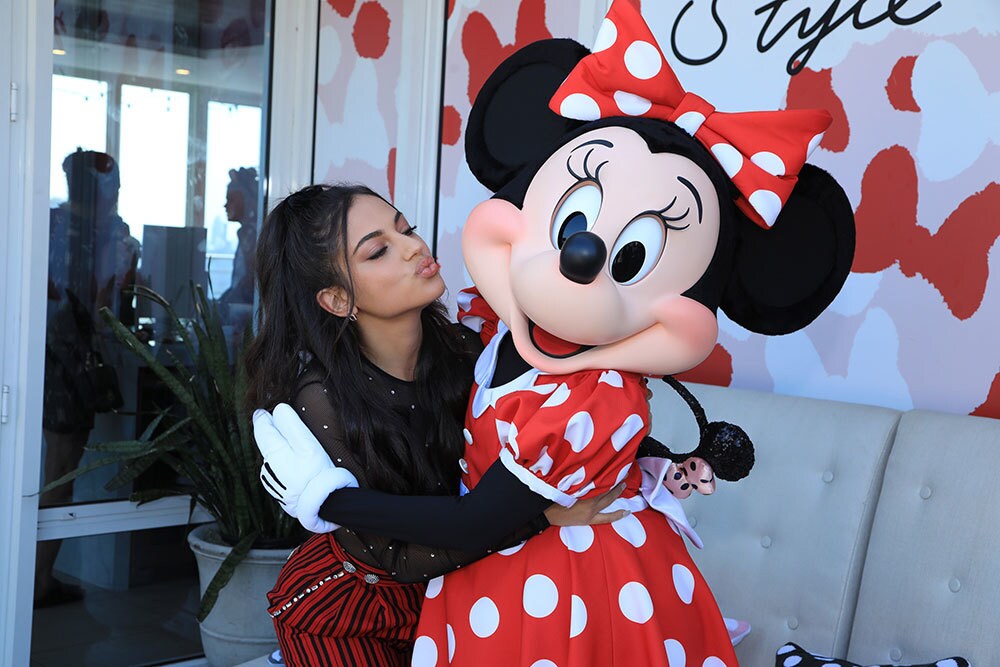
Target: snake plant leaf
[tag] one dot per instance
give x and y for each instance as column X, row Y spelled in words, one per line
column 224, row 574
column 149, row 495
column 131, row 470
column 84, row 469
column 204, row 437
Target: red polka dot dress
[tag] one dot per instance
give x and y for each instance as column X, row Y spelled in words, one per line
column 620, row 594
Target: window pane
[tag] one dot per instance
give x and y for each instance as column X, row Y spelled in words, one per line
column 156, row 152
column 126, row 599
column 158, row 110
column 79, row 120
column 232, row 163
column 154, row 144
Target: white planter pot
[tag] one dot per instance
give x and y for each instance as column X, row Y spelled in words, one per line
column 238, row 628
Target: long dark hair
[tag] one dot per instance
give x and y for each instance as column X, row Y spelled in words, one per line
column 296, row 258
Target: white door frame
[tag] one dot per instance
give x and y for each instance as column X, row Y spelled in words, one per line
column 25, row 129
column 292, row 98
column 418, row 128
column 25, row 191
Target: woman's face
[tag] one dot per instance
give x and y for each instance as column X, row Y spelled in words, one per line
column 393, row 270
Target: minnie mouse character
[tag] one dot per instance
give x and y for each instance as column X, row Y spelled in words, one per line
column 626, row 212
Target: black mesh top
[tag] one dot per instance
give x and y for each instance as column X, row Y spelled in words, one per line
column 415, row 538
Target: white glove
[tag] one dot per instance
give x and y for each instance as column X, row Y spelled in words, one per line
column 297, row 471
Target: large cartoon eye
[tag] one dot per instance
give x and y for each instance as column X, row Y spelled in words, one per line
column 637, row 250
column 577, row 212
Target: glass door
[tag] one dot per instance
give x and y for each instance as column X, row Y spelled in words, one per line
column 158, row 118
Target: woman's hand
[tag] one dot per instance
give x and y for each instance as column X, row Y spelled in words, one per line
column 587, row 512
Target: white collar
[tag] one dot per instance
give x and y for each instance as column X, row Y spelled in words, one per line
column 487, row 396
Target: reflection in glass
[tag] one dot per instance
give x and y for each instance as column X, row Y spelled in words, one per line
column 79, row 119
column 154, row 133
column 227, row 151
column 139, row 598
column 156, row 169
column 168, row 98
column 92, row 262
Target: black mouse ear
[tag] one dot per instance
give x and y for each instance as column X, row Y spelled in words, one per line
column 510, row 124
column 784, row 277
column 728, row 449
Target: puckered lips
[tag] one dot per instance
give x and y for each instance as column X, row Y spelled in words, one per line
column 551, row 345
column 428, row 268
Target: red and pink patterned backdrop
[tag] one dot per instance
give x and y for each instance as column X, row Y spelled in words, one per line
column 358, row 70
column 914, row 88
column 915, row 94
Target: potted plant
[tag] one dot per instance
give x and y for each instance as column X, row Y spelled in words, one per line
column 206, row 439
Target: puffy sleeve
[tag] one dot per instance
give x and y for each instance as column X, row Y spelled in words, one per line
column 557, row 449
column 474, row 313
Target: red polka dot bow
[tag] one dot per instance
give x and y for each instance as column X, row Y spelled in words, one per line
column 627, row 75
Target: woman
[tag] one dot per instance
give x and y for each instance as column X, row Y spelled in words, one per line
column 351, row 332
column 92, row 263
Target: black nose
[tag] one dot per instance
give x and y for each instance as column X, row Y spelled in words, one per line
column 582, row 257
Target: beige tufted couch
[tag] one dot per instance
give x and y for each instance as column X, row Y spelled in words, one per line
column 861, row 533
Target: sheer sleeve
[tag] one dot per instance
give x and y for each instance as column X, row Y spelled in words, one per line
column 404, row 561
column 496, row 509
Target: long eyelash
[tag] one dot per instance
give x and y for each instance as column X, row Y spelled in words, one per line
column 587, row 175
column 410, row 230
column 596, row 176
column 666, row 224
column 662, row 213
column 569, row 168
column 597, row 173
column 666, row 220
column 381, row 251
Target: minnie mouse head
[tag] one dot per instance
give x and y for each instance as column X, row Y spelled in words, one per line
column 622, row 222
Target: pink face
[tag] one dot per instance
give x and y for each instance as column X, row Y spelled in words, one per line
column 657, row 218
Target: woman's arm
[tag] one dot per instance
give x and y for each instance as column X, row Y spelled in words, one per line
column 493, row 513
column 472, row 522
column 407, row 561
column 500, row 510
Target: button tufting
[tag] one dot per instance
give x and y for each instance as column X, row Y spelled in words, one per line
column 895, row 655
column 793, row 623
column 828, row 476
column 693, row 521
column 925, row 492
column 765, row 542
column 954, row 585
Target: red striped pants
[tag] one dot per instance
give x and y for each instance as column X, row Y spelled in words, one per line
column 326, row 613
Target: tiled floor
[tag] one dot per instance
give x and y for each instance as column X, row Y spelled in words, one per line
column 146, row 625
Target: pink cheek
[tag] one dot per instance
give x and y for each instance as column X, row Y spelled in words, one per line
column 689, row 321
column 493, row 222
